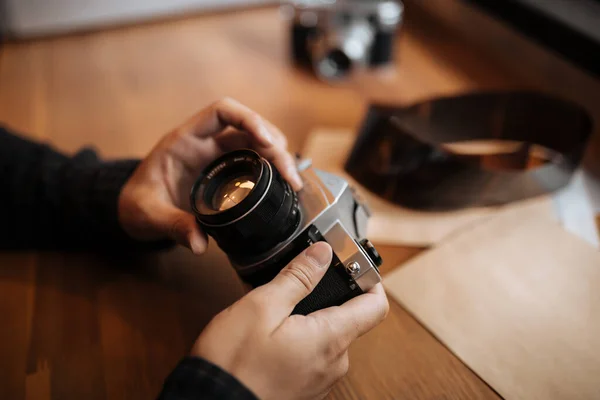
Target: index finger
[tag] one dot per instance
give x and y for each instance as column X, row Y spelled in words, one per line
column 357, row 316
column 228, row 112
column 278, row 155
column 266, row 139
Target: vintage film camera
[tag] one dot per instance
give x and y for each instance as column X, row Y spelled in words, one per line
column 256, row 218
column 335, row 37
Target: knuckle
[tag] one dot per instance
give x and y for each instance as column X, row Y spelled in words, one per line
column 177, row 134
column 179, row 228
column 321, row 373
column 254, row 120
column 299, row 274
column 342, row 339
column 344, row 366
column 224, row 102
column 219, row 320
column 332, row 350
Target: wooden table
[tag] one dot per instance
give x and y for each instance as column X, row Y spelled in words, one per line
column 77, row 326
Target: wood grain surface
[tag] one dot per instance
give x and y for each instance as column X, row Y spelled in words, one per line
column 77, row 326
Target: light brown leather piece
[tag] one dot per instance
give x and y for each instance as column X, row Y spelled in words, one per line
column 517, row 298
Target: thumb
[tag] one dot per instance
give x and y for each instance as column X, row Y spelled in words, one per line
column 298, row 279
column 181, row 226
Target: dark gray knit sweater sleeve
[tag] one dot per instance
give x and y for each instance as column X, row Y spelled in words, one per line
column 195, row 378
column 51, row 201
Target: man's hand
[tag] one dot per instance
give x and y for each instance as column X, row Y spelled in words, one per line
column 279, row 356
column 154, row 203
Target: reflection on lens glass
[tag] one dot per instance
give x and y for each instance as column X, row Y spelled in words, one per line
column 232, row 192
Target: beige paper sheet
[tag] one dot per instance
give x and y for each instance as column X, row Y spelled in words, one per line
column 517, row 298
column 390, row 224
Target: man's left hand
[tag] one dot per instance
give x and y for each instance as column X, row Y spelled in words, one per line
column 154, row 203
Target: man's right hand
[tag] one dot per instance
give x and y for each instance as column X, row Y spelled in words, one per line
column 282, row 356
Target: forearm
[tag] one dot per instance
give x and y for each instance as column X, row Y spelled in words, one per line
column 196, row 378
column 50, row 200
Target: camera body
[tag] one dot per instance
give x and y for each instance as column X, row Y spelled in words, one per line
column 326, row 209
column 331, row 212
column 335, row 37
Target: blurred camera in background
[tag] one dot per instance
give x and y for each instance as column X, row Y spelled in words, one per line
column 334, row 38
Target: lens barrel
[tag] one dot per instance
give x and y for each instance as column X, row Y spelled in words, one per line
column 243, row 202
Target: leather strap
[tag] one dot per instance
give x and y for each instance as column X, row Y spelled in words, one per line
column 402, row 153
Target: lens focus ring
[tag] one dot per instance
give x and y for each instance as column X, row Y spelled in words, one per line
column 266, row 210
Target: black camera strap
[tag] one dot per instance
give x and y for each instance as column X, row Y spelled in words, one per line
column 408, row 155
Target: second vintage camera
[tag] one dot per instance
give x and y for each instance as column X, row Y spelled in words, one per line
column 335, row 37
column 256, row 218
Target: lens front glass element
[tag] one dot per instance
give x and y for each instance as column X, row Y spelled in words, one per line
column 227, row 184
column 232, row 192
column 244, row 204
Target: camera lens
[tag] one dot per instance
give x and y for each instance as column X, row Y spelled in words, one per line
column 335, row 64
column 232, row 192
column 243, row 202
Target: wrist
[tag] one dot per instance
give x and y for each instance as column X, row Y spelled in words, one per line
column 196, row 377
column 248, row 377
column 127, row 212
column 108, row 180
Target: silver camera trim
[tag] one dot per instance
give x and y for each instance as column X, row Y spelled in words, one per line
column 353, row 37
column 328, row 202
column 314, row 12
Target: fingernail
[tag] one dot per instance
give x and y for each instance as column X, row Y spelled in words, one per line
column 197, row 246
column 319, row 254
column 264, row 132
